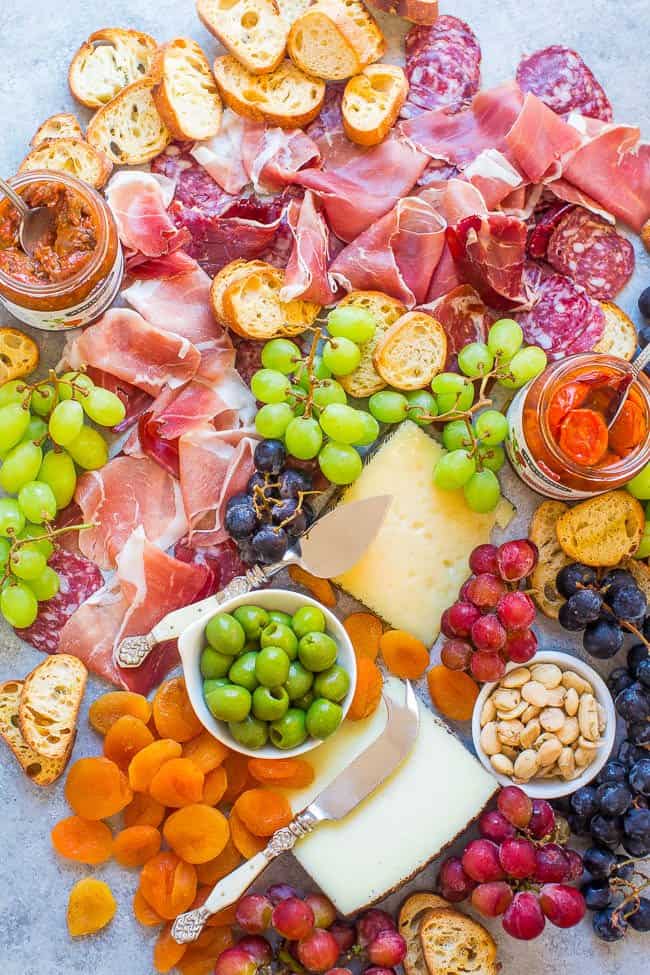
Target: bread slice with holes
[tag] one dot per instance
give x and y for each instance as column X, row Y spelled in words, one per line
column 62, row 126
column 365, row 380
column 543, row 533
column 252, row 30
column 228, row 275
column 412, row 914
column 619, row 336
column 372, row 101
column 335, row 39
column 184, row 90
column 41, row 770
column 73, row 156
column 290, row 10
column 49, row 705
column 602, row 531
column 108, row 61
column 129, row 129
column 285, row 97
column 455, row 944
column 412, row 351
column 253, row 309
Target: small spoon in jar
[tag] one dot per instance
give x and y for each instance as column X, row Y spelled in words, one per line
column 619, row 398
column 35, row 223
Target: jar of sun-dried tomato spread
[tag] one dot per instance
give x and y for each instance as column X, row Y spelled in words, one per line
column 75, row 272
column 560, row 441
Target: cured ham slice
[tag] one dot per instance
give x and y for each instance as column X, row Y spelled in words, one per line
column 139, row 202
column 454, row 199
column 327, row 131
column 539, row 141
column 166, row 266
column 489, row 254
column 180, row 304
column 563, row 81
column 222, row 156
column 129, row 348
column 223, row 560
column 494, row 176
column 306, row 274
column 464, row 317
column 126, row 493
column 272, row 156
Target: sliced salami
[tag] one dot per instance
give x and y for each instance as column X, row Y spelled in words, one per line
column 540, row 234
column 592, row 252
column 563, row 319
column 464, row 317
column 562, row 80
column 443, row 66
column 248, row 356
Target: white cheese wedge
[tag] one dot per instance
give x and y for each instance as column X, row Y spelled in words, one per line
column 432, row 796
column 414, row 568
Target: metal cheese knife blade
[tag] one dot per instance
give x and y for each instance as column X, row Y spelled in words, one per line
column 331, row 546
column 365, row 774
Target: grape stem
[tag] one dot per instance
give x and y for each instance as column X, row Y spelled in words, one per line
column 309, row 368
column 632, row 891
column 630, row 627
column 49, row 534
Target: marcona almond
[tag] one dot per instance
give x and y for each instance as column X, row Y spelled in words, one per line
column 550, row 751
column 571, row 702
column 584, row 756
column 602, row 717
column 514, row 713
column 509, row 732
column 534, row 693
column 516, row 678
column 489, row 740
column 510, row 752
column 566, row 763
column 578, row 683
column 569, row 731
column 555, row 697
column 530, row 733
column 552, row 719
column 588, row 717
column 588, row 743
column 506, row 699
column 526, row 764
column 488, row 712
column 502, row 764
column 549, row 675
column 530, row 713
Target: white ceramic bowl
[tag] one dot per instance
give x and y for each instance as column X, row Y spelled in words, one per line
column 554, row 788
column 192, row 641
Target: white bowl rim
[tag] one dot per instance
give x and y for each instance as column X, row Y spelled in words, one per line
column 190, row 646
column 553, row 788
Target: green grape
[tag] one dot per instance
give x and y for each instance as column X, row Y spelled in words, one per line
column 36, row 431
column 370, row 431
column 340, row 463
column 642, row 552
column 281, row 355
column 37, row 502
column 88, row 449
column 524, row 366
column 15, row 391
column 296, row 400
column 46, row 585
column 493, row 458
column 356, row 324
column 27, row 563
column 491, row 427
column 82, row 382
column 270, row 386
column 103, row 407
column 21, row 465
column 388, row 406
column 12, row 519
column 421, row 403
column 505, row 338
column 475, row 360
column 453, row 470
column 43, row 399
column 342, row 423
column 452, row 392
column 273, row 419
column 18, row 604
column 455, row 435
column 59, row 472
column 318, row 370
column 482, row 491
column 14, row 421
column 5, row 548
column 342, row 356
column 639, row 486
column 303, row 438
column 43, row 545
column 66, row 421
column 329, row 392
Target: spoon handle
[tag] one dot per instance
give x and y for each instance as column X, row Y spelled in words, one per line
column 641, row 361
column 17, row 200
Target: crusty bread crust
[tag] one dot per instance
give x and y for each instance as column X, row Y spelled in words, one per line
column 232, row 272
column 455, row 944
column 286, row 97
column 40, row 770
column 602, row 531
column 619, row 337
column 353, row 39
column 412, row 914
column 253, row 308
column 61, row 126
column 108, row 61
column 73, row 156
column 184, row 91
column 252, row 30
column 552, row 559
column 49, row 705
column 365, row 380
column 412, row 351
column 111, row 127
column 372, row 101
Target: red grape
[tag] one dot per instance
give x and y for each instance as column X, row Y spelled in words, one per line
column 515, row 805
column 494, row 826
column 524, row 918
column 254, row 913
column 487, row 633
column 462, row 592
column 445, row 628
column 461, row 617
column 344, row 934
column 516, row 559
column 339, row 971
column 280, row 892
column 552, row 864
column 564, row 906
column 378, row 970
column 481, row 861
column 542, row 821
column 324, row 910
column 318, row 951
column 485, row 590
column 575, row 864
column 371, row 923
column 235, row 961
column 454, row 883
column 456, row 655
column 517, row 857
column 521, row 646
column 293, row 919
column 492, row 899
column 257, row 947
column 484, row 559
column 487, row 667
column 516, row 610
column 387, row 949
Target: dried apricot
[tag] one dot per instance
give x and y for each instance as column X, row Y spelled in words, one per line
column 197, row 833
column 205, row 751
column 243, row 840
column 236, row 767
column 263, row 811
column 216, row 938
column 136, row 844
column 173, row 712
column 221, row 866
column 453, row 692
column 106, row 710
column 126, row 738
column 367, row 692
column 91, row 906
column 364, row 630
column 178, row 783
column 320, row 589
column 404, row 655
column 214, row 787
column 199, row 961
column 291, row 773
column 144, row 811
column 144, row 912
column 167, row 952
column 83, row 840
column 96, row 788
column 147, row 762
column 168, row 884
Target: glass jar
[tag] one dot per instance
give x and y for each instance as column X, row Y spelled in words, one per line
column 80, row 296
column 535, row 452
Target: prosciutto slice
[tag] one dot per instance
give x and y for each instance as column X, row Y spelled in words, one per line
column 139, row 202
column 180, row 304
column 494, row 176
column 306, row 275
column 272, row 156
column 464, row 317
column 489, row 254
column 222, row 156
column 540, row 141
column 454, row 199
column 135, row 400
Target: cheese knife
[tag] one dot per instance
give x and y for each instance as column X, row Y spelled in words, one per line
column 332, row 545
column 350, row 787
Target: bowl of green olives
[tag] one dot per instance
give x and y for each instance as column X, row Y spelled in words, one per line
column 270, row 674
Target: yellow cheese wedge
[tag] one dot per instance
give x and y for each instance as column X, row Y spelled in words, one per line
column 417, row 563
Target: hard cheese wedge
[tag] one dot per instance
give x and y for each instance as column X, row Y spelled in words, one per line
column 432, row 796
column 419, row 559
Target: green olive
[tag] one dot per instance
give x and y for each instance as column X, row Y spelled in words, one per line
column 277, row 616
column 270, row 703
column 280, row 635
column 242, row 671
column 253, row 619
column 272, row 667
column 299, row 680
column 333, row 683
column 289, row 731
column 225, row 634
column 308, row 619
column 323, row 718
column 249, row 733
column 317, row 651
column 229, row 702
column 214, row 664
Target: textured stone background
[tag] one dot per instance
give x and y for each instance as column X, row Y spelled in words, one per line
column 37, row 40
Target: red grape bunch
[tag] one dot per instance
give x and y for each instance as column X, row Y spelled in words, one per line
column 518, row 870
column 490, row 622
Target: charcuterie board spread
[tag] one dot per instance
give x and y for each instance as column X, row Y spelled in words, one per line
column 315, row 304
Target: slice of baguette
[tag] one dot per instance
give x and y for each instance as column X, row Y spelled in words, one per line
column 335, row 39
column 602, row 530
column 42, row 771
column 372, row 101
column 284, row 97
column 232, row 272
column 290, row 10
column 412, row 351
column 252, row 30
column 455, row 944
column 543, row 533
column 365, row 380
column 49, row 705
column 641, row 572
column 185, row 92
column 129, row 129
column 72, row 156
column 619, row 336
column 411, row 916
column 108, row 61
column 253, row 309
column 62, row 126
column 419, row 11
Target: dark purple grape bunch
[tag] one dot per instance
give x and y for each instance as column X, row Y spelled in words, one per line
column 613, row 889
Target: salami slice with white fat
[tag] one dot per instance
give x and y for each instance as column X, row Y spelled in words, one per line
column 464, row 317
column 562, row 319
column 443, row 66
column 562, row 80
column 248, row 357
column 540, row 234
column 592, row 252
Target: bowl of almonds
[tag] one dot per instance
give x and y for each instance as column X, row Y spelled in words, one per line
column 547, row 726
